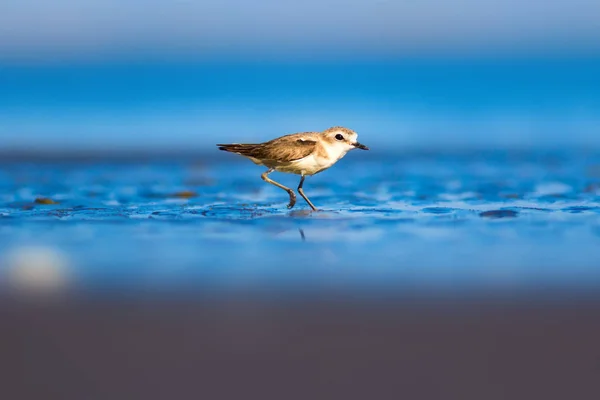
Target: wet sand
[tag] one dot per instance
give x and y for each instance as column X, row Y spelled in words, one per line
column 495, row 258
column 325, row 348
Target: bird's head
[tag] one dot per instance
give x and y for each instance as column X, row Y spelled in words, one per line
column 343, row 138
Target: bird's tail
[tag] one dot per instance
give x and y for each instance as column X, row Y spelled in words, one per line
column 243, row 149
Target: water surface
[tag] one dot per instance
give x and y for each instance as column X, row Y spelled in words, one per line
column 405, row 223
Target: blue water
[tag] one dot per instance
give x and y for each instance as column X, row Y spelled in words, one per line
column 403, row 103
column 484, row 174
column 411, row 222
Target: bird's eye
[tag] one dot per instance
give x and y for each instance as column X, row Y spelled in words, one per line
column 339, row 136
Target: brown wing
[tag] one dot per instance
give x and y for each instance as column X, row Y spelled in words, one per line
column 284, row 149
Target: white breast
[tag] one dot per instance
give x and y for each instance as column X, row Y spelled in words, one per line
column 312, row 164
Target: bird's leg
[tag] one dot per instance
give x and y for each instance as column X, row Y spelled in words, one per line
column 279, row 185
column 301, row 191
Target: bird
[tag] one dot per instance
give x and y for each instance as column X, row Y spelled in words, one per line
column 304, row 154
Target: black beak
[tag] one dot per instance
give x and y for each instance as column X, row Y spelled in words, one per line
column 360, row 146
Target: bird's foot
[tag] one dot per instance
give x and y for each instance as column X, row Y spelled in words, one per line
column 292, row 201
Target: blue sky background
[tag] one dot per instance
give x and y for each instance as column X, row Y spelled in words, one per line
column 184, row 75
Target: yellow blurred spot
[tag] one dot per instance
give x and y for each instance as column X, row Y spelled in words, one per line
column 45, row 200
column 186, row 194
column 36, row 270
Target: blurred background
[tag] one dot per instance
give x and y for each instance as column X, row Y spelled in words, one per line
column 154, row 75
column 456, row 259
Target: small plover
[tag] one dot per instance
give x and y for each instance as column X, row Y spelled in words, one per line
column 305, row 153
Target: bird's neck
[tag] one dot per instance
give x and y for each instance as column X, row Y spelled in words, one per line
column 335, row 152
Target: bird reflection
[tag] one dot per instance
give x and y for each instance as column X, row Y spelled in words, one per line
column 302, row 234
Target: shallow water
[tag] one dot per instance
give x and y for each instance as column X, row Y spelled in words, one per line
column 407, row 223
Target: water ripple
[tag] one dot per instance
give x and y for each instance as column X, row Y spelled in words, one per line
column 474, row 216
